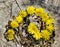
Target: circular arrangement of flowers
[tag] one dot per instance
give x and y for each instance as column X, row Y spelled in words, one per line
column 32, row 24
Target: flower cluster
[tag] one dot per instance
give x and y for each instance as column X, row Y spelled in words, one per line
column 11, row 34
column 32, row 28
column 46, row 33
column 15, row 23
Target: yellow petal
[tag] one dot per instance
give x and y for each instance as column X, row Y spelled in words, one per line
column 39, row 11
column 10, row 37
column 14, row 24
column 49, row 21
column 37, row 35
column 19, row 19
column 23, row 13
column 11, row 31
column 46, row 34
column 30, row 10
column 50, row 28
column 45, row 17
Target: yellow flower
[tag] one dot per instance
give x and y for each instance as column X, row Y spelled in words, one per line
column 14, row 24
column 49, row 21
column 37, row 35
column 50, row 28
column 46, row 34
column 23, row 13
column 39, row 11
column 10, row 37
column 19, row 19
column 32, row 28
column 31, row 31
column 30, row 10
column 11, row 31
column 45, row 17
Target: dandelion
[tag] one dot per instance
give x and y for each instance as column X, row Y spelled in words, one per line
column 30, row 10
column 23, row 13
column 14, row 24
column 32, row 28
column 39, row 11
column 10, row 37
column 37, row 35
column 46, row 35
column 50, row 28
column 45, row 17
column 11, row 31
column 49, row 21
column 19, row 19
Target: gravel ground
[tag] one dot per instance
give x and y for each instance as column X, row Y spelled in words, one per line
column 9, row 8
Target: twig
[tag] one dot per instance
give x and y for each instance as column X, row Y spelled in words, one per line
column 16, row 39
column 10, row 9
column 17, row 4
